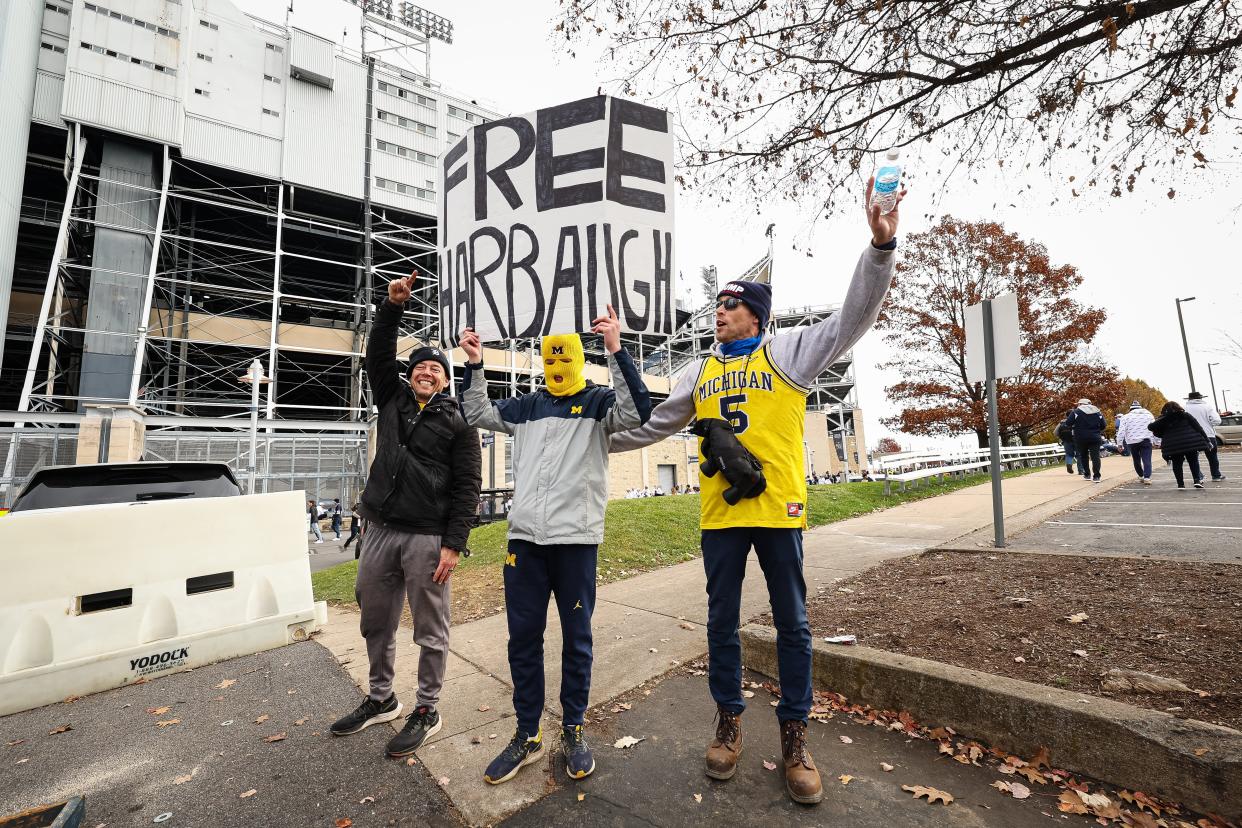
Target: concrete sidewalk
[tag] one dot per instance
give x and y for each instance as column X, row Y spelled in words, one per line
column 640, row 625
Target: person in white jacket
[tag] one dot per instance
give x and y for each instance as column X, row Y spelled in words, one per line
column 1132, row 433
column 1197, row 407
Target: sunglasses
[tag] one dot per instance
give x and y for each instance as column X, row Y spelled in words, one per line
column 729, row 302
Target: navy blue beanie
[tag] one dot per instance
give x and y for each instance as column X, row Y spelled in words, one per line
column 425, row 353
column 756, row 295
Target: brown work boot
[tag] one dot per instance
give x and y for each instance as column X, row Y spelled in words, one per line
column 801, row 777
column 722, row 753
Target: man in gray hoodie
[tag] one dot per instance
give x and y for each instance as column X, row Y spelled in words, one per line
column 1197, row 407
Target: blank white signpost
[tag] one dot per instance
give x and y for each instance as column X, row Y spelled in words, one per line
column 993, row 350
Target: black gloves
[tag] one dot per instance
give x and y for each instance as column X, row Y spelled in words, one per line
column 725, row 454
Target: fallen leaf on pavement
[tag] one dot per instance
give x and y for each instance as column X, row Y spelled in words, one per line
column 344, row 822
column 1042, row 759
column 1077, row 618
column 21, row 761
column 60, row 729
column 698, row 797
column 226, row 684
column 686, row 625
column 620, row 706
column 1002, row 786
column 748, row 694
column 932, row 794
column 168, row 722
column 626, row 742
column 300, row 722
column 1200, row 751
column 158, row 711
column 483, row 708
column 14, row 743
column 1142, row 820
column 1008, row 770
column 887, row 767
column 1069, row 803
column 411, row 761
column 946, row 747
column 1033, row 775
column 248, row 793
column 443, row 781
column 581, row 796
column 366, row 800
column 769, row 765
column 653, row 650
column 276, row 737
column 71, row 699
column 846, row 740
column 845, row 778
column 261, row 719
column 476, row 740
column 1080, row 653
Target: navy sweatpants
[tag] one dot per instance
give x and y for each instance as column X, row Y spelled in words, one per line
column 533, row 573
column 780, row 556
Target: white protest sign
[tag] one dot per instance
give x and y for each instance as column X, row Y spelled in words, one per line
column 1005, row 339
column 547, row 218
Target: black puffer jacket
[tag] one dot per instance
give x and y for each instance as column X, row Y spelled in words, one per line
column 1179, row 433
column 427, row 469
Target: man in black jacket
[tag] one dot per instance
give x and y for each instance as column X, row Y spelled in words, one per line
column 419, row 505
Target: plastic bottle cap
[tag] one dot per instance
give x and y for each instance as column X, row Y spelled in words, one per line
column 892, row 155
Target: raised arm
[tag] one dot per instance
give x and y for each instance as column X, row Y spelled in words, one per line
column 383, row 372
column 631, row 402
column 480, row 411
column 667, row 418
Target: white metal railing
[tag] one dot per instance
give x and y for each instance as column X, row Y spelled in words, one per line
column 913, row 466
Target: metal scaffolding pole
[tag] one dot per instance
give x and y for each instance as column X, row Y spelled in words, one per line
column 144, row 321
column 272, row 344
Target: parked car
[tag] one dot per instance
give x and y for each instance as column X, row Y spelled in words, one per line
column 88, row 485
column 1230, row 428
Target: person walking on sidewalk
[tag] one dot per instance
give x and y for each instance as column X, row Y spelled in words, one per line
column 355, row 530
column 1065, row 433
column 336, row 517
column 560, row 488
column 1182, row 438
column 759, row 383
column 312, row 512
column 419, row 507
column 1087, row 424
column 1132, row 433
column 1209, row 419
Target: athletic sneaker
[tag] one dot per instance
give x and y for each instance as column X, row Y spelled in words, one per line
column 1095, row 480
column 1198, row 484
column 420, row 725
column 1218, row 479
column 368, row 713
column 521, row 750
column 1146, row 481
column 578, row 759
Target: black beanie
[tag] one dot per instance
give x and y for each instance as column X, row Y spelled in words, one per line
column 425, row 353
column 756, row 295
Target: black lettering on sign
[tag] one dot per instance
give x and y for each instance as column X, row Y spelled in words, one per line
column 499, row 174
column 478, row 275
column 663, row 321
column 622, row 163
column 548, row 166
column 566, row 276
column 461, row 290
column 451, row 180
column 613, row 292
column 635, row 320
column 526, row 264
column 448, row 325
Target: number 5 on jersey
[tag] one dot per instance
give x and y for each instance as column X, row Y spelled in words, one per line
column 730, row 409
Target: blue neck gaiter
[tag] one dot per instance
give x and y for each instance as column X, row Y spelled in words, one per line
column 740, row 347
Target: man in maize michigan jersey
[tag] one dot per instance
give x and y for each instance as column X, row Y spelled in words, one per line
column 759, row 383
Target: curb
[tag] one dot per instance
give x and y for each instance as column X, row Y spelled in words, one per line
column 1118, row 743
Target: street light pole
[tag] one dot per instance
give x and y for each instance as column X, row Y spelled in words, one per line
column 1185, row 347
column 1212, row 380
column 256, row 379
column 1224, row 397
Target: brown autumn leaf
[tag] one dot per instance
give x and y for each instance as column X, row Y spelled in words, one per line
column 845, row 778
column 1069, row 803
column 181, row 780
column 168, row 722
column 71, row 699
column 1033, row 775
column 932, row 794
column 14, row 743
column 61, row 729
column 1042, row 759
column 276, row 737
column 247, row 794
column 344, row 822
column 770, row 765
column 947, row 748
column 887, row 767
column 411, row 761
column 1141, row 820
column 301, row 721
column 261, row 719
column 158, row 711
column 846, row 740
column 483, row 708
column 226, row 684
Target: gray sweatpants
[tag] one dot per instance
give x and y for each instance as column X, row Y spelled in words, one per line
column 396, row 565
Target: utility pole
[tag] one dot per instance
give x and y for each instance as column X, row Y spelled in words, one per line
column 1212, row 380
column 1185, row 348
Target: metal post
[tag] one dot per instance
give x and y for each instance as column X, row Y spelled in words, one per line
column 105, row 435
column 275, row 320
column 1224, row 397
column 989, row 356
column 1212, row 380
column 1185, row 348
column 256, row 372
column 144, row 321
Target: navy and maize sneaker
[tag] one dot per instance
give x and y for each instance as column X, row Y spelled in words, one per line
column 368, row 713
column 521, row 750
column 578, row 759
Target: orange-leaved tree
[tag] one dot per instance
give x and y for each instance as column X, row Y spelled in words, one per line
column 956, row 264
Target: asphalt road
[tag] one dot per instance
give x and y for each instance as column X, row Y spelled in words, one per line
column 654, row 783
column 128, row 766
column 1159, row 521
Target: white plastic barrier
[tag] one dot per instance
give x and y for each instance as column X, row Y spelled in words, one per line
column 95, row 597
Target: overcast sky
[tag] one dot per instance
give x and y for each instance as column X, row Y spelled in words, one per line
column 1136, row 253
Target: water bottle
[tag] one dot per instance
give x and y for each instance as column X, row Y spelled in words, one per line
column 887, row 179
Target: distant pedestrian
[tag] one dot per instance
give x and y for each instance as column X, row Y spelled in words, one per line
column 337, row 517
column 1198, row 407
column 1087, row 424
column 1065, row 433
column 355, row 530
column 312, row 512
column 1182, row 438
column 1132, row 433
